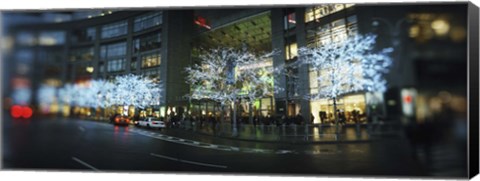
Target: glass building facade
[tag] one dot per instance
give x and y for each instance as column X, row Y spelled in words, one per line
column 160, row 44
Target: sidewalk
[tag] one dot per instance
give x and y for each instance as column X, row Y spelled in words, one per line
column 296, row 133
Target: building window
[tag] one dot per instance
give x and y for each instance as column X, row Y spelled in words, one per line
column 102, row 68
column 83, row 69
column 151, row 60
column 116, row 65
column 317, row 12
column 146, row 43
column 81, row 54
column 291, row 51
column 51, row 38
column 153, row 74
column 84, row 35
column 133, row 64
column 114, row 29
column 289, row 20
column 25, row 38
column 113, row 50
column 335, row 31
column 291, row 48
column 147, row 21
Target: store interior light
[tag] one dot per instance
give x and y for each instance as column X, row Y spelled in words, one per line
column 440, row 26
column 89, row 69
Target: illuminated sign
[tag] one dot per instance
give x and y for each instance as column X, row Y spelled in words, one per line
column 408, row 97
column 201, row 21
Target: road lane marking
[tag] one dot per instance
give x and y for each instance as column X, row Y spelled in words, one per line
column 81, row 128
column 162, row 156
column 188, row 161
column 213, row 146
column 85, row 164
column 203, row 164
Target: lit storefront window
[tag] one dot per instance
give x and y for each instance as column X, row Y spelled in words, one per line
column 82, row 69
column 291, row 51
column 147, row 21
column 353, row 106
column 151, row 60
column 114, row 29
column 317, row 12
column 428, row 26
column 51, row 38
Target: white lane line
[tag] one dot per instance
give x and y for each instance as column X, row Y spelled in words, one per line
column 85, row 164
column 162, row 156
column 187, row 161
column 201, row 144
column 81, row 128
column 203, row 164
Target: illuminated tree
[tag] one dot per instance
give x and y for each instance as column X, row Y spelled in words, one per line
column 46, row 95
column 130, row 89
column 66, row 94
column 135, row 90
column 257, row 81
column 347, row 66
column 225, row 75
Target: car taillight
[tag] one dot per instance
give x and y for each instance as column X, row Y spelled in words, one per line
column 21, row 111
column 127, row 120
column 117, row 120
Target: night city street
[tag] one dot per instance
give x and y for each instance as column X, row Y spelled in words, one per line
column 73, row 144
column 312, row 90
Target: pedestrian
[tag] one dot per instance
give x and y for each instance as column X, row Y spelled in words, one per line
column 299, row 119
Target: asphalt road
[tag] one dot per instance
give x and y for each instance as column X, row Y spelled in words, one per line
column 73, row 144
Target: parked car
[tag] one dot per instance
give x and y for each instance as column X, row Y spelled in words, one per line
column 121, row 120
column 151, row 122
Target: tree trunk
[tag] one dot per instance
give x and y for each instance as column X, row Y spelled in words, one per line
column 250, row 113
column 335, row 114
column 234, row 119
column 234, row 116
column 222, row 114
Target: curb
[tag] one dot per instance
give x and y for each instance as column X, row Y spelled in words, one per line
column 283, row 141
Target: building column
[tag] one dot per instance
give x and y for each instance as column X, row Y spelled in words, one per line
column 96, row 55
column 278, row 43
column 304, row 82
column 128, row 57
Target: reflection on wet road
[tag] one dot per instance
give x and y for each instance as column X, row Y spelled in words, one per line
column 72, row 144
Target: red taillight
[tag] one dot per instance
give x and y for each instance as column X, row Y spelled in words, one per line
column 127, row 120
column 19, row 111
column 117, row 120
column 27, row 112
column 16, row 111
